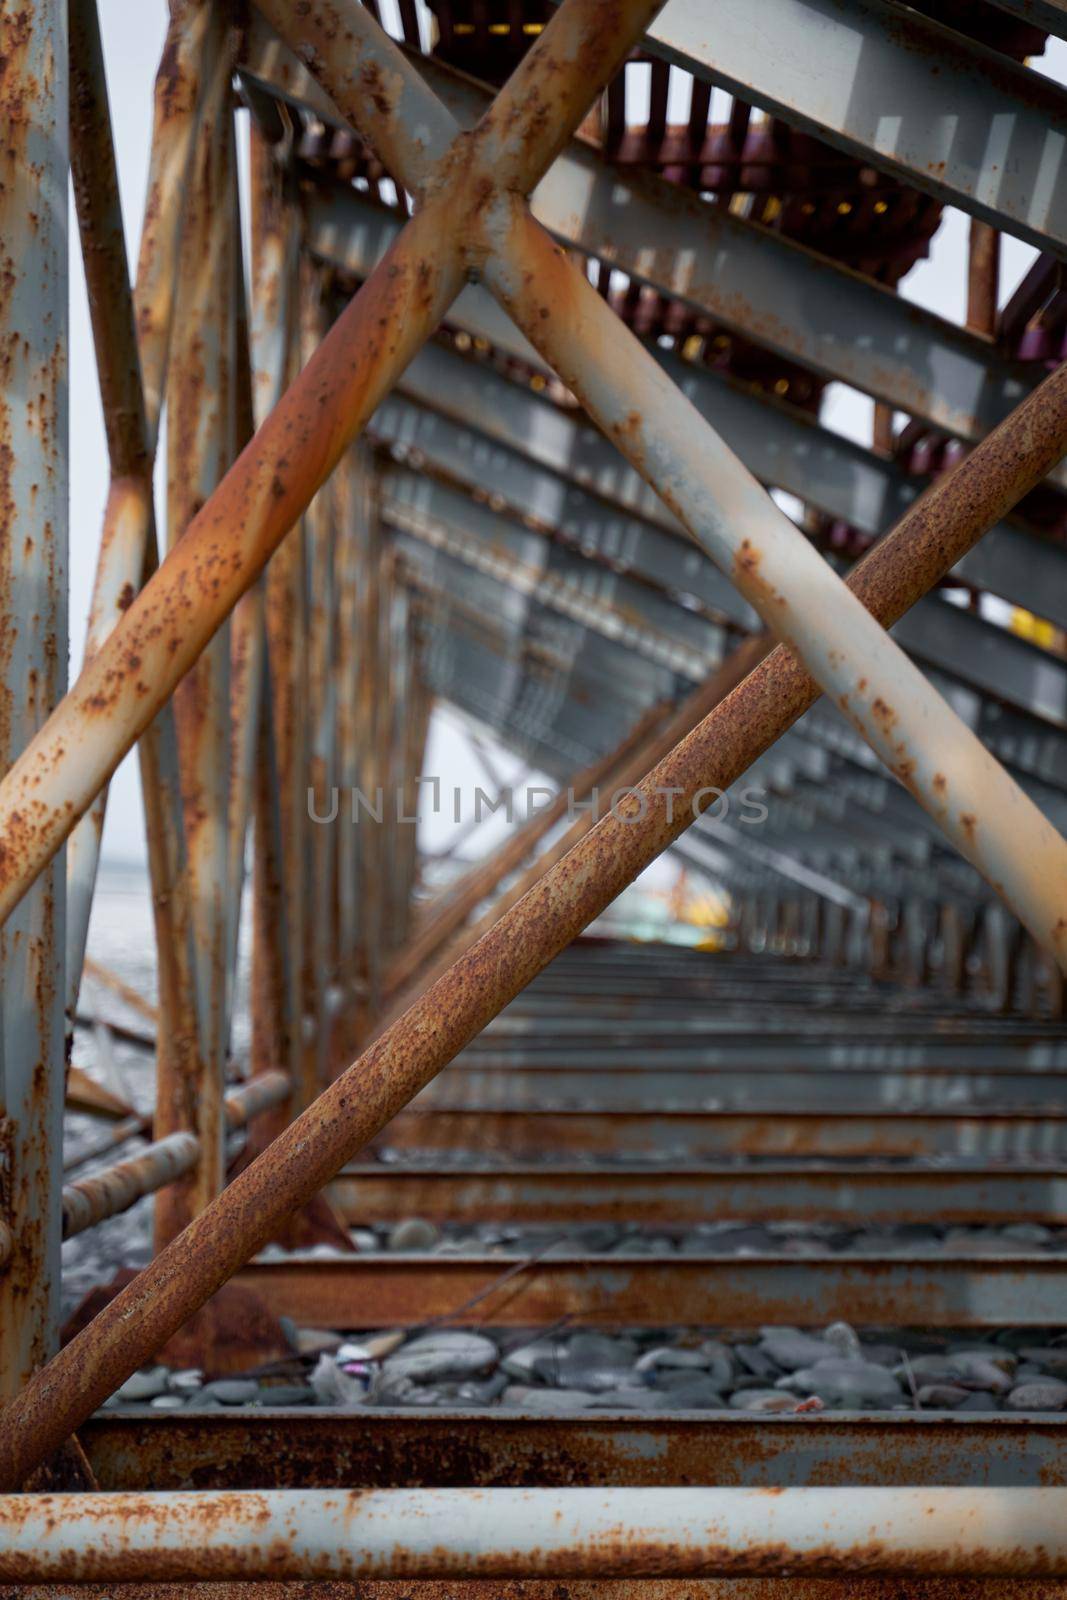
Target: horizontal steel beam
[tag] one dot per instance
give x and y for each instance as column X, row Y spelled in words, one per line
column 375, row 1448
column 857, row 1195
column 885, row 83
column 754, row 1082
column 733, row 1291
column 601, row 500
column 480, row 1131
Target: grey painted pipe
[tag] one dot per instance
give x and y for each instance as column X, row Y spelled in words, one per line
column 532, row 1532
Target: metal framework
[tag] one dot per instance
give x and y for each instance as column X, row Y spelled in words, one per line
column 502, row 412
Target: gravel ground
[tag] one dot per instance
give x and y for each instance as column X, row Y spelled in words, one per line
column 563, row 1370
column 645, row 1369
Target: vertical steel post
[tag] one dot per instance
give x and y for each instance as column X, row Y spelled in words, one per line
column 33, row 649
column 319, row 714
column 200, row 427
column 275, row 1008
column 983, row 277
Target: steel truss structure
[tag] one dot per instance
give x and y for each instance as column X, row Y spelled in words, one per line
column 502, row 411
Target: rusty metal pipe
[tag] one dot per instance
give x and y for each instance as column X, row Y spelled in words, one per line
column 33, row 645
column 104, row 1194
column 240, row 1104
column 261, row 1093
column 131, row 336
column 504, row 1533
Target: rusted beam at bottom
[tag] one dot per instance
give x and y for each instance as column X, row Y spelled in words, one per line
column 619, row 1291
column 792, row 1588
column 863, row 1194
column 506, row 1532
column 372, row 1448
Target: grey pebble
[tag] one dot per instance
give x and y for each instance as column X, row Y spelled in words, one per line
column 1048, row 1394
column 942, row 1396
column 143, row 1385
column 844, row 1382
column 287, row 1394
column 232, row 1391
column 414, row 1233
column 547, row 1400
column 167, row 1402
column 440, row 1356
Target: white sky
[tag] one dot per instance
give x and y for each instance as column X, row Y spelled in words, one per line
column 133, row 33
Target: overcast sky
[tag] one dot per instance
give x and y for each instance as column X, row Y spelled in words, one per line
column 133, row 36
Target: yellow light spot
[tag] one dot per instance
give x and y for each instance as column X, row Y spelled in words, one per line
column 692, row 347
column 533, row 28
column 463, row 341
column 781, row 386
column 881, row 207
column 537, row 383
column 843, row 208
column 808, row 208
column 499, row 28
column 481, row 344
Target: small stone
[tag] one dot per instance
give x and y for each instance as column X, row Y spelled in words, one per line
column 351, row 1351
column 547, row 1400
column 628, row 1398
column 1034, row 1233
column 442, row 1355
column 1053, row 1358
column 414, row 1233
column 380, row 1345
column 312, row 1341
column 762, row 1400
column 790, row 1348
column 483, row 1393
column 288, row 1394
column 525, row 1361
column 693, row 1394
column 167, row 1402
column 186, row 1382
column 942, row 1396
column 670, row 1356
column 332, row 1386
column 364, row 1240
column 979, row 1401
column 975, row 1371
column 758, row 1362
column 842, row 1382
column 1043, row 1394
column 233, row 1391
column 598, row 1379
column 844, row 1340
column 143, row 1385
